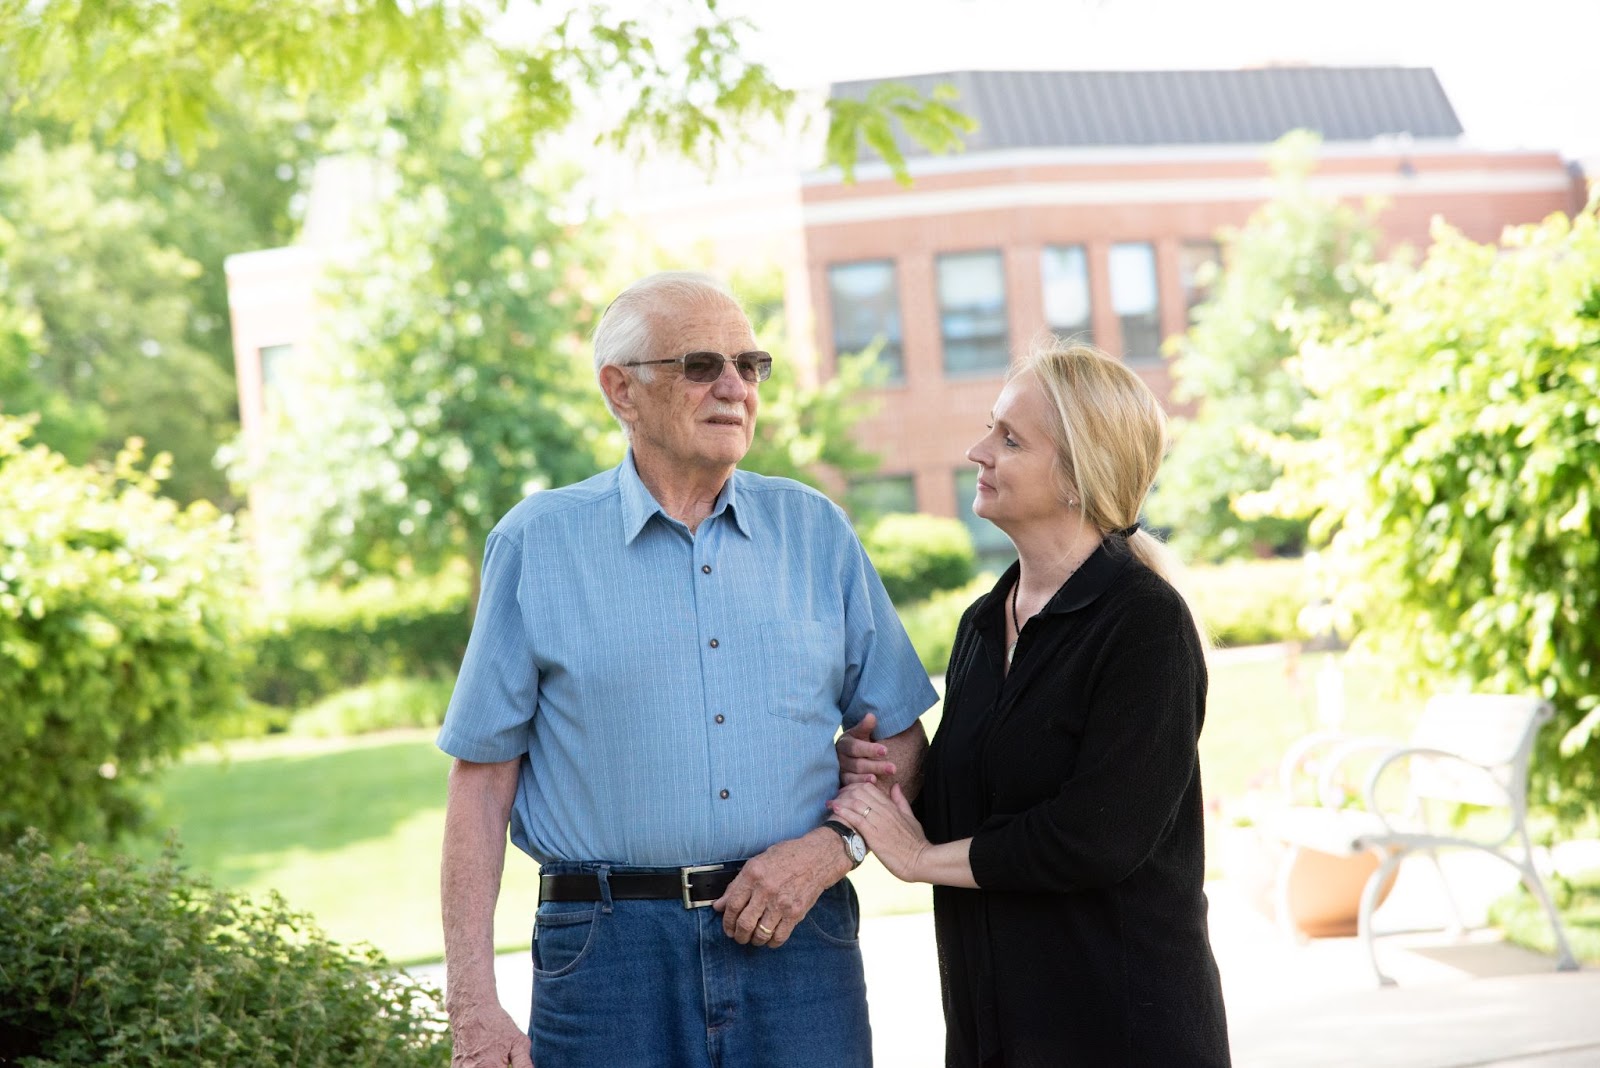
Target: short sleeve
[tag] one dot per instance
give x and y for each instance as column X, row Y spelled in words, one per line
column 883, row 674
column 497, row 693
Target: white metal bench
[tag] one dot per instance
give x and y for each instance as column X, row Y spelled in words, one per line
column 1467, row 749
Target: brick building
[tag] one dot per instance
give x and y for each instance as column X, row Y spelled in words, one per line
column 1085, row 204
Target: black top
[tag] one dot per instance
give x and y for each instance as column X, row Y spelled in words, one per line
column 1076, row 777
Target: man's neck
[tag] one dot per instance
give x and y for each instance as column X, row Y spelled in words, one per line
column 687, row 495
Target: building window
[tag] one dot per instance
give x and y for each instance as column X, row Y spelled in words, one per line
column 994, row 549
column 276, row 376
column 1198, row 263
column 1133, row 298
column 972, row 312
column 881, row 495
column 1066, row 293
column 866, row 310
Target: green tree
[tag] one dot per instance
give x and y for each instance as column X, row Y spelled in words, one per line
column 1297, row 255
column 453, row 379
column 157, row 72
column 119, row 625
column 1458, row 436
column 236, row 192
column 110, row 355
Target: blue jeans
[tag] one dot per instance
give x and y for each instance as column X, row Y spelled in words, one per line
column 643, row 984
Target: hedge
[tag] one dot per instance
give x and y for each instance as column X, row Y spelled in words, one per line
column 1253, row 602
column 919, row 555
column 337, row 639
column 1243, row 603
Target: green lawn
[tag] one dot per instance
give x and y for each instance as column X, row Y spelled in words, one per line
column 349, row 830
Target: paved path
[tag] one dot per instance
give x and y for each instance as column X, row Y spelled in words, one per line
column 1471, row 1002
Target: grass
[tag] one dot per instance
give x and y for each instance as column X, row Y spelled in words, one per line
column 349, row 829
column 1257, row 707
column 1576, row 897
column 346, row 830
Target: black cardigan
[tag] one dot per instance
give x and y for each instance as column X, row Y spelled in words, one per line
column 1077, row 779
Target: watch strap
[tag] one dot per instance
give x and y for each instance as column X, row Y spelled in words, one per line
column 848, row 834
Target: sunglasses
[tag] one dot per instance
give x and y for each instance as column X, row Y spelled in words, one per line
column 707, row 366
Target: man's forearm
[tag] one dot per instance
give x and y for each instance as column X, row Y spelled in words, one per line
column 473, row 860
column 906, row 751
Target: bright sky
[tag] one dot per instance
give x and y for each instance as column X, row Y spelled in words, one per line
column 1521, row 73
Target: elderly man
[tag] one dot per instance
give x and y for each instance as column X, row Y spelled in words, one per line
column 661, row 659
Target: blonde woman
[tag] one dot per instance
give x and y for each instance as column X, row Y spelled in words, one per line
column 1060, row 815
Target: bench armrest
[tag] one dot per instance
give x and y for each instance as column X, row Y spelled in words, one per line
column 1339, row 747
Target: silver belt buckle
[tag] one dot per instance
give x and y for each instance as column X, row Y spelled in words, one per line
column 683, row 877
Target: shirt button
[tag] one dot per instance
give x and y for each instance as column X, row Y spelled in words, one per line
column 714, row 643
column 705, row 569
column 723, row 795
column 719, row 717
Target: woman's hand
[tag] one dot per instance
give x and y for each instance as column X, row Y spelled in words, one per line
column 860, row 758
column 886, row 822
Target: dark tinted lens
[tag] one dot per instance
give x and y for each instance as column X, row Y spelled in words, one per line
column 754, row 366
column 702, row 366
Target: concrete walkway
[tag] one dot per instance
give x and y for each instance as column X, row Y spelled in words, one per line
column 1464, row 1002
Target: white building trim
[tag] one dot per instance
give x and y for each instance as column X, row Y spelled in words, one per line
column 1173, row 191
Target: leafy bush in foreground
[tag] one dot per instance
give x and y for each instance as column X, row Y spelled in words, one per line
column 120, row 616
column 107, row 962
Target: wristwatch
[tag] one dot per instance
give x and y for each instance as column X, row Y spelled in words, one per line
column 855, row 846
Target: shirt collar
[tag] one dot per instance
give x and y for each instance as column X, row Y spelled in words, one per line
column 1093, row 577
column 638, row 504
column 1082, row 588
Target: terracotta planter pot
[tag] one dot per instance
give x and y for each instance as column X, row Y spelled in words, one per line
column 1309, row 892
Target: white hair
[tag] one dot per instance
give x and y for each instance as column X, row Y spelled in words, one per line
column 628, row 329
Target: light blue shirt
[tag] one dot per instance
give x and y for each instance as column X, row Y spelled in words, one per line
column 674, row 697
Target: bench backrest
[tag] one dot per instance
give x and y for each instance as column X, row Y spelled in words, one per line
column 1494, row 730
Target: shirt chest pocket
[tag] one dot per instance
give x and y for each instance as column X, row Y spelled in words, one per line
column 802, row 664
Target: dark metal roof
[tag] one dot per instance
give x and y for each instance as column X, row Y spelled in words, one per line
column 1080, row 109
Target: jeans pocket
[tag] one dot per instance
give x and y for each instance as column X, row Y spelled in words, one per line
column 836, row 916
column 562, row 933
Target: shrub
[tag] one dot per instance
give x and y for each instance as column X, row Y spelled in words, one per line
column 1458, row 436
column 384, row 704
column 119, row 624
column 338, row 639
column 1252, row 602
column 931, row 623
column 919, row 555
column 108, row 962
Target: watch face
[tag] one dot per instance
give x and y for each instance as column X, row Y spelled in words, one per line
column 857, row 846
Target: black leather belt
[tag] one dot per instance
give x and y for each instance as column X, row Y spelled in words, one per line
column 696, row 887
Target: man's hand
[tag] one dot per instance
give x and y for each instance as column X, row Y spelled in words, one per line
column 774, row 891
column 860, row 758
column 486, row 1038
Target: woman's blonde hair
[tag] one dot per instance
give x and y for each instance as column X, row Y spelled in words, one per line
column 1110, row 436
